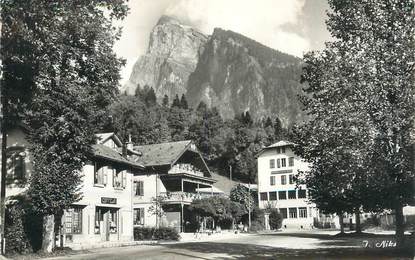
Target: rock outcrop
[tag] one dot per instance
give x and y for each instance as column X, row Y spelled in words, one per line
column 172, row 54
column 237, row 74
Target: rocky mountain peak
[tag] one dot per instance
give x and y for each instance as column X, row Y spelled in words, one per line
column 225, row 70
column 172, row 54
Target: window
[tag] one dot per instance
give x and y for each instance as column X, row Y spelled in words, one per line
column 273, row 195
column 291, row 161
column 119, row 179
column 113, row 220
column 16, row 167
column 283, row 212
column 278, row 163
column 100, row 176
column 282, row 149
column 139, row 216
column 283, row 162
column 283, row 179
column 278, row 150
column 272, row 163
column 282, row 195
column 302, row 194
column 73, row 220
column 292, row 194
column 272, row 180
column 291, row 178
column 138, row 188
column 263, row 196
column 302, row 212
column 292, row 212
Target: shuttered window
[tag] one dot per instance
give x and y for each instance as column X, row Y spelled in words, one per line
column 139, row 216
column 138, row 188
column 119, row 179
column 100, row 174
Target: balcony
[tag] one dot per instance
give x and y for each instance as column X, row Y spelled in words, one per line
column 186, row 168
column 181, row 197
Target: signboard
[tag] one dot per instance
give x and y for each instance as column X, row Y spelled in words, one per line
column 105, row 200
column 282, row 172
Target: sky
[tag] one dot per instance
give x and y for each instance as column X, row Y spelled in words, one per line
column 291, row 26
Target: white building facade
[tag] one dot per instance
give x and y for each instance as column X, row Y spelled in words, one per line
column 278, row 167
column 105, row 211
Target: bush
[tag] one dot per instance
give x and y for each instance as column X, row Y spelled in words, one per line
column 23, row 229
column 257, row 226
column 151, row 233
column 275, row 219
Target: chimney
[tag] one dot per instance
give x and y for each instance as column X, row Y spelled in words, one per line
column 129, row 144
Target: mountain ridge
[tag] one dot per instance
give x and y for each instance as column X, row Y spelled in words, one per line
column 226, row 69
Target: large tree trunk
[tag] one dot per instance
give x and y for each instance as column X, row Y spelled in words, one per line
column 48, row 240
column 400, row 229
column 341, row 223
column 358, row 226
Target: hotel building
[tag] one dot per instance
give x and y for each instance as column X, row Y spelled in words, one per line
column 278, row 167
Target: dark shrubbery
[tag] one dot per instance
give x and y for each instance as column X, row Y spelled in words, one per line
column 151, row 233
column 23, row 229
column 258, row 220
column 275, row 219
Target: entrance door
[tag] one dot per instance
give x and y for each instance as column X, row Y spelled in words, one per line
column 104, row 226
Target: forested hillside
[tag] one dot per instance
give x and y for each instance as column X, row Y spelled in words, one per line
column 233, row 142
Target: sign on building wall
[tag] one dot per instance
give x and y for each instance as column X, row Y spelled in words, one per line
column 105, row 200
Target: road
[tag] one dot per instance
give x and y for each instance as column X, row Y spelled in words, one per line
column 263, row 246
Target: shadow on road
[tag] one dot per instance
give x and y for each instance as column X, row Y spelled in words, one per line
column 250, row 251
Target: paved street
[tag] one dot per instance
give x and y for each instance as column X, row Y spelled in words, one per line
column 264, row 246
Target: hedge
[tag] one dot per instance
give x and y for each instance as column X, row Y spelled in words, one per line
column 151, row 233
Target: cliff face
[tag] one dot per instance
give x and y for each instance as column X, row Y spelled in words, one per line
column 172, row 54
column 237, row 74
column 226, row 70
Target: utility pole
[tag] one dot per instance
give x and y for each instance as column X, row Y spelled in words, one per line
column 230, row 172
column 249, row 206
column 3, row 170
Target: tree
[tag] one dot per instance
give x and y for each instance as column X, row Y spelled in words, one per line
column 156, row 208
column 150, row 98
column 218, row 207
column 146, row 125
column 183, row 102
column 278, row 130
column 365, row 80
column 71, row 76
column 205, row 127
column 176, row 102
column 165, row 102
column 242, row 195
column 275, row 219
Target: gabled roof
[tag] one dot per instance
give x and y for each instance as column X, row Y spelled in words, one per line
column 103, row 137
column 281, row 143
column 162, row 154
column 107, row 153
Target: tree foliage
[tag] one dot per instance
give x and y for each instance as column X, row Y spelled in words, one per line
column 60, row 73
column 360, row 96
column 218, row 207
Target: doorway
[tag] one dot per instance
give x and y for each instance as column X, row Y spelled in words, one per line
column 106, row 222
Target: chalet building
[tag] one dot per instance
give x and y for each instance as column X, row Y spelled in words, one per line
column 176, row 173
column 119, row 187
column 277, row 166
